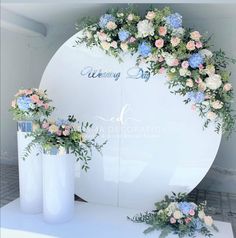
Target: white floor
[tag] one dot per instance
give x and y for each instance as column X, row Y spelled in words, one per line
column 90, row 221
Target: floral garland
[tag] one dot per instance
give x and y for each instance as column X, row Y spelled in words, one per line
column 166, row 47
column 31, row 104
column 175, row 214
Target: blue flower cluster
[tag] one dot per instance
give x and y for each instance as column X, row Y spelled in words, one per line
column 24, row 103
column 185, row 207
column 197, row 224
column 123, row 35
column 174, row 20
column 61, row 122
column 195, row 60
column 105, row 19
column 144, row 49
column 197, row 97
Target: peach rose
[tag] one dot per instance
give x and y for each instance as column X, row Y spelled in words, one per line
column 174, row 41
column 211, row 116
column 217, row 104
column 111, row 25
column 105, row 45
column 189, row 83
column 102, row 36
column 162, row 31
column 202, row 86
column 13, row 104
column 124, row 46
column 195, row 35
column 208, row 220
column 190, row 45
column 227, row 87
column 177, row 215
column 35, row 98
column 130, row 17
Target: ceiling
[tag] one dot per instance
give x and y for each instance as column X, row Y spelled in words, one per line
column 60, row 14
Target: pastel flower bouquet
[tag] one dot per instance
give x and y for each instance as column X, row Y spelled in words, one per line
column 159, row 40
column 178, row 216
column 68, row 136
column 31, row 104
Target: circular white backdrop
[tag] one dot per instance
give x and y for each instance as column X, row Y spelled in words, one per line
column 156, row 143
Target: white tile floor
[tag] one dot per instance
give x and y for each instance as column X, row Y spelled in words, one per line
column 222, row 206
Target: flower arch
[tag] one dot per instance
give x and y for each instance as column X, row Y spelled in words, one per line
column 159, row 40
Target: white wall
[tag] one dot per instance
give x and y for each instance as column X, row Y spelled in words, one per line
column 23, row 60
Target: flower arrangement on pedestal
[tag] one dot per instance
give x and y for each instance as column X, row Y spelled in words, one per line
column 160, row 41
column 178, row 216
column 31, row 104
column 67, row 135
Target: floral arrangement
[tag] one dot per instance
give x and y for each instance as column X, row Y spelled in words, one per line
column 178, row 216
column 68, row 135
column 31, row 104
column 160, row 41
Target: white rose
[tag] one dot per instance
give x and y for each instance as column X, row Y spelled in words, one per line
column 201, row 214
column 145, row 28
column 182, row 72
column 130, row 17
column 214, row 81
column 177, row 215
column 211, row 116
column 208, row 220
column 105, row 45
column 227, row 87
column 206, row 53
column 217, row 104
column 124, row 46
column 189, row 83
column 150, row 15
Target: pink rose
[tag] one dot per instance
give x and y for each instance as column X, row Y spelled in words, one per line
column 190, row 45
column 175, row 62
column 132, row 39
column 162, row 70
column 187, row 220
column 191, row 212
column 227, row 87
column 66, row 132
column 114, row 44
column 172, row 220
column 58, row 132
column 162, row 31
column 46, row 106
column 199, row 44
column 45, row 125
column 40, row 103
column 185, row 64
column 102, row 36
column 175, row 41
column 35, row 98
column 28, row 91
column 160, row 59
column 159, row 43
column 195, row 35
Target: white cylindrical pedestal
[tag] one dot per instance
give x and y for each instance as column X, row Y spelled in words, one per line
column 30, row 172
column 58, row 186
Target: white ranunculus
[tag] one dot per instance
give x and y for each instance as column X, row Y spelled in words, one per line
column 214, row 81
column 145, row 28
column 206, row 53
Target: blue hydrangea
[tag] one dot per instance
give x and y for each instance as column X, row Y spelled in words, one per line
column 197, row 97
column 104, row 19
column 61, row 122
column 123, row 35
column 197, row 224
column 195, row 60
column 144, row 49
column 24, row 103
column 174, row 20
column 185, row 207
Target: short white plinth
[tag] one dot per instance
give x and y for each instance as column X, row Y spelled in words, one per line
column 90, row 221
